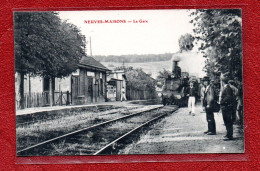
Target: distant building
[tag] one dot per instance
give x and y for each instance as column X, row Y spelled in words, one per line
column 115, row 81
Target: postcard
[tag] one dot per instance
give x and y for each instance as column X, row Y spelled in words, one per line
column 121, row 82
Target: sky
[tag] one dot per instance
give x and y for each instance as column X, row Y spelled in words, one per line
column 158, row 35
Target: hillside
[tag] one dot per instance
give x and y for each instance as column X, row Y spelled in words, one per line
column 134, row 58
column 149, row 67
column 190, row 62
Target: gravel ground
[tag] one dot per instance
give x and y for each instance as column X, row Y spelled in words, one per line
column 183, row 133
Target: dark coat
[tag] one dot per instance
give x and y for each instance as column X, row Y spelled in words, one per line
column 209, row 97
column 227, row 97
column 192, row 91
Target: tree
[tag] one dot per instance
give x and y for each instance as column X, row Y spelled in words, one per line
column 162, row 76
column 137, row 79
column 219, row 33
column 46, row 46
column 186, row 42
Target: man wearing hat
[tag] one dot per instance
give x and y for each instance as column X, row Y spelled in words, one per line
column 208, row 103
column 226, row 104
column 205, row 83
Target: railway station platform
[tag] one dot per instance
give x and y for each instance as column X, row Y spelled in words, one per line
column 181, row 133
column 57, row 108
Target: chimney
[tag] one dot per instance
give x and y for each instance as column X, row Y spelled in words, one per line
column 174, row 67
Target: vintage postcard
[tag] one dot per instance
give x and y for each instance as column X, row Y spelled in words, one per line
column 121, row 82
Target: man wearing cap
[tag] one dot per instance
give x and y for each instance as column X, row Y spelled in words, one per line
column 226, row 104
column 208, row 103
column 192, row 93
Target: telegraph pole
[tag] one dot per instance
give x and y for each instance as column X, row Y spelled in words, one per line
column 90, row 46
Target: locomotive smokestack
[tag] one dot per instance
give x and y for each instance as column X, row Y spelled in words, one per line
column 174, row 67
column 176, row 70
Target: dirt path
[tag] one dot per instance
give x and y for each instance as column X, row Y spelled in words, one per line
column 183, row 133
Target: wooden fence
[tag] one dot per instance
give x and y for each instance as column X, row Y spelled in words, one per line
column 132, row 94
column 43, row 99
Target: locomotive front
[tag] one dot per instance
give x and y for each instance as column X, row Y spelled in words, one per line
column 174, row 87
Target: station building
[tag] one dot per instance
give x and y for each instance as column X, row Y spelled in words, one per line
column 86, row 85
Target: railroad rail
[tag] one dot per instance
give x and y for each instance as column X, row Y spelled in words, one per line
column 26, row 151
column 104, row 109
column 109, row 147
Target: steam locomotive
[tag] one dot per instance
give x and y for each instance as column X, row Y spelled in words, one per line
column 175, row 86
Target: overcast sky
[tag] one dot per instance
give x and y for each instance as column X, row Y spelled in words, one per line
column 159, row 35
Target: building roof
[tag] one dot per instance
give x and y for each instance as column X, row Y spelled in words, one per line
column 91, row 63
column 115, row 79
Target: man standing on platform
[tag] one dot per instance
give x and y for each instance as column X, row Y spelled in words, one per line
column 231, row 83
column 192, row 93
column 208, row 103
column 226, row 104
column 205, row 83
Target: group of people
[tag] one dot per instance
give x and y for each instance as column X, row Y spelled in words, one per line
column 229, row 100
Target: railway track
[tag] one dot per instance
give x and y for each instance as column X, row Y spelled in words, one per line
column 112, row 148
column 98, row 108
column 99, row 111
column 43, row 131
column 103, row 138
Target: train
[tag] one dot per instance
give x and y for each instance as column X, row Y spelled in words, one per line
column 174, row 90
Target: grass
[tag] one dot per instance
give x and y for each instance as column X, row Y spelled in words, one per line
column 43, row 130
column 31, row 134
